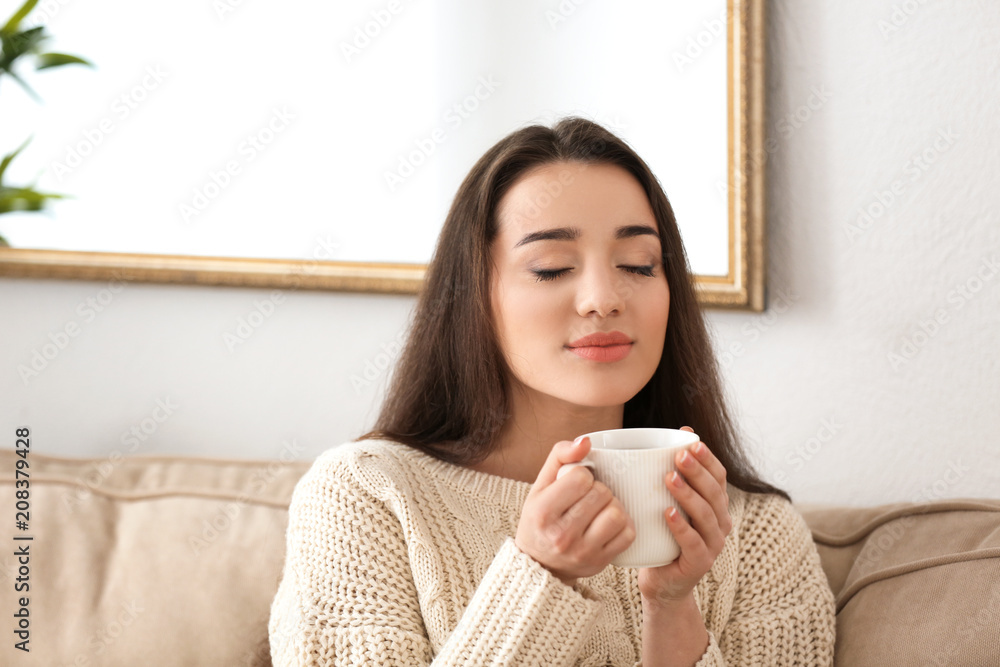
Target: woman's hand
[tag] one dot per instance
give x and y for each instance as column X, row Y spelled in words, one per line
column 699, row 486
column 572, row 525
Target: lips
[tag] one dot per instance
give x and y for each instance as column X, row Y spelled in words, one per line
column 601, row 346
column 602, row 339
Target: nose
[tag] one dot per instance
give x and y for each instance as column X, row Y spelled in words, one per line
column 601, row 291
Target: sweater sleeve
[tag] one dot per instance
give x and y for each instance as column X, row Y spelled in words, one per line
column 348, row 595
column 783, row 612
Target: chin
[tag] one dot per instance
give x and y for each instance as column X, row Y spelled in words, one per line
column 602, row 397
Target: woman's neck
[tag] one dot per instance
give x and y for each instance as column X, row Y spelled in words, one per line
column 535, row 425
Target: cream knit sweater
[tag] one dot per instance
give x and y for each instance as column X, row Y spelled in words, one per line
column 397, row 558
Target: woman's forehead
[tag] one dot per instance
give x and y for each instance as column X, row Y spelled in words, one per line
column 572, row 197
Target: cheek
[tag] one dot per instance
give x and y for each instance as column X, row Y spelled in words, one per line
column 515, row 313
column 658, row 314
column 665, row 311
column 533, row 323
column 528, row 310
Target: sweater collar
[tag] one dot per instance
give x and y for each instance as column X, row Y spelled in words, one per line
column 486, row 485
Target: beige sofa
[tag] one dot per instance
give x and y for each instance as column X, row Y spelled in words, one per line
column 173, row 561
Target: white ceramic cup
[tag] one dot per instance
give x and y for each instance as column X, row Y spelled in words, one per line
column 633, row 462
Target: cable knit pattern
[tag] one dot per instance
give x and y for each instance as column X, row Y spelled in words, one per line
column 396, row 558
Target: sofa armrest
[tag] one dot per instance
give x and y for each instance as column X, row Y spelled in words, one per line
column 915, row 583
column 147, row 560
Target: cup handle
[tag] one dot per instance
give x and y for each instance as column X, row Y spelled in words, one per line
column 565, row 468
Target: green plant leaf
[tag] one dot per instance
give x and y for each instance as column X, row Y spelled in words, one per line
column 46, row 60
column 15, row 20
column 26, row 41
column 18, row 44
column 7, row 159
column 24, row 199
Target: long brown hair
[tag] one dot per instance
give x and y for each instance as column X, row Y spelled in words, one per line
column 448, row 395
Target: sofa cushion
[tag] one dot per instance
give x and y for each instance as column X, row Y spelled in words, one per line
column 146, row 560
column 915, row 583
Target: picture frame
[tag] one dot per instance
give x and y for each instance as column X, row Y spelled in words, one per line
column 742, row 287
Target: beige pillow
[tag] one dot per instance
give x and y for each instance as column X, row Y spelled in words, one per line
column 143, row 560
column 916, row 584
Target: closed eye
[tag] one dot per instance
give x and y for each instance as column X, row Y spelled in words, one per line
column 552, row 274
column 640, row 270
column 548, row 274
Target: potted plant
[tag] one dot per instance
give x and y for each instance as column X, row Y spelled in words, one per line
column 18, row 45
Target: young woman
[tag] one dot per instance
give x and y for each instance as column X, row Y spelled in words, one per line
column 558, row 302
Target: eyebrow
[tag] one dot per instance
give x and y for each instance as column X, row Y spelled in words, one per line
column 573, row 233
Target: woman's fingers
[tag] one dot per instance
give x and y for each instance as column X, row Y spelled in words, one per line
column 611, row 529
column 583, row 531
column 705, row 456
column 562, row 495
column 562, row 452
column 707, row 476
column 700, row 513
column 692, row 543
column 702, row 498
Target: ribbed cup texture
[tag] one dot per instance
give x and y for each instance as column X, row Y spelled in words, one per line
column 633, row 464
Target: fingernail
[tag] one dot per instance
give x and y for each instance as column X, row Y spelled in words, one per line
column 699, row 447
column 677, row 481
column 578, row 440
column 685, row 459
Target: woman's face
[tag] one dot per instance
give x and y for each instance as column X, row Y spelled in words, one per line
column 578, row 253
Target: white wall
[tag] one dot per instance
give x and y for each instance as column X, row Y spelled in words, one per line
column 874, row 377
